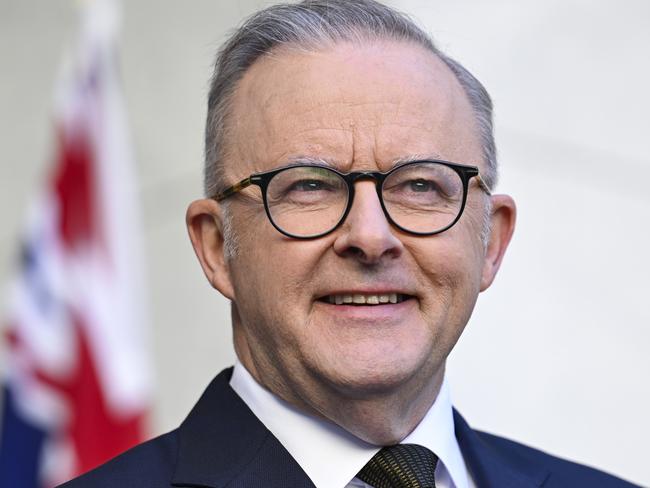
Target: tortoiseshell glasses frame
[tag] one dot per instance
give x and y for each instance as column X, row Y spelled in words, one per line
column 263, row 179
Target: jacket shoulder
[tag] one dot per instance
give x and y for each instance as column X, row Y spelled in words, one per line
column 563, row 473
column 147, row 465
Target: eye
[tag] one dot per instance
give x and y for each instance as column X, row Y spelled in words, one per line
column 422, row 186
column 308, row 185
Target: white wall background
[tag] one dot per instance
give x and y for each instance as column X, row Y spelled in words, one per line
column 557, row 352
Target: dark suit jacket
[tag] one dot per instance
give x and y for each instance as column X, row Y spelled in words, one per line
column 223, row 444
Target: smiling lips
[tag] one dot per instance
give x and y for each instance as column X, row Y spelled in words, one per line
column 365, row 299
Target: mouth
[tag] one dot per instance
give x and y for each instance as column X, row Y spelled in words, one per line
column 364, row 299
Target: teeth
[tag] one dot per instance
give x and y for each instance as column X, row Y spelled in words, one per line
column 359, row 299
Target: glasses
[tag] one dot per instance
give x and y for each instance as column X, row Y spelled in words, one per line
column 306, row 201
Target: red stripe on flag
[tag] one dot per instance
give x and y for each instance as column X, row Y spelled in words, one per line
column 96, row 432
column 11, row 337
column 74, row 185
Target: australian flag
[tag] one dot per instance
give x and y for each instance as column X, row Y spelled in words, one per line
column 77, row 377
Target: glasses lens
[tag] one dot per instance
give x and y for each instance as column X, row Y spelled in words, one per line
column 423, row 197
column 306, row 201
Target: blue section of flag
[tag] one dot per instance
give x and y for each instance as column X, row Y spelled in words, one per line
column 20, row 447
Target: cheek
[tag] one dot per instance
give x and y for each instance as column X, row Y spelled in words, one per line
column 444, row 260
column 273, row 276
column 451, row 265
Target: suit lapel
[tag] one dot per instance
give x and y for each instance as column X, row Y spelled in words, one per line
column 222, row 443
column 489, row 467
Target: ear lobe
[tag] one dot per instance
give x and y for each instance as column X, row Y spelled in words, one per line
column 204, row 219
column 502, row 219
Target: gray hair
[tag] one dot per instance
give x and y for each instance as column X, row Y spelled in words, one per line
column 314, row 24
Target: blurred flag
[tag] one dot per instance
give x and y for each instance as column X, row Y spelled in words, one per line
column 78, row 378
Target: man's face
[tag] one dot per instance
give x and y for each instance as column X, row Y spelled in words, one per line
column 357, row 108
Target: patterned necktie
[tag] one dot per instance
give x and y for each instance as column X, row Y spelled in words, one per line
column 401, row 466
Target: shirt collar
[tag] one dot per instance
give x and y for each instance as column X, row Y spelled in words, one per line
column 436, row 432
column 318, row 445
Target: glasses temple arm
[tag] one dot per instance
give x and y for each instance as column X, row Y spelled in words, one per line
column 237, row 187
column 483, row 185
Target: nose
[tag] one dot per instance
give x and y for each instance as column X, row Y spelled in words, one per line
column 366, row 234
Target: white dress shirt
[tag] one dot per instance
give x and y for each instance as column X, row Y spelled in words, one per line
column 331, row 456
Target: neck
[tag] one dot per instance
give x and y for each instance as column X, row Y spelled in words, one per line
column 388, row 417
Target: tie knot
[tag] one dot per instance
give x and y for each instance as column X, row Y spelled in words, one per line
column 401, row 466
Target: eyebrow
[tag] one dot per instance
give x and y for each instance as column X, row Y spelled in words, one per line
column 330, row 163
column 310, row 161
column 417, row 157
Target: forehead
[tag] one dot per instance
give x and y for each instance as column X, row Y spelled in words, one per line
column 357, row 106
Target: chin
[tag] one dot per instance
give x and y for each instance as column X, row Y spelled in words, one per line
column 357, row 377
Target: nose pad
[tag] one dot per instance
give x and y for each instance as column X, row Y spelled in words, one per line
column 366, row 233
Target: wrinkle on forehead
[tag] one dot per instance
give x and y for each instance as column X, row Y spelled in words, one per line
column 332, row 105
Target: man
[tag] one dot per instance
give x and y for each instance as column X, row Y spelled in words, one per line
column 350, row 220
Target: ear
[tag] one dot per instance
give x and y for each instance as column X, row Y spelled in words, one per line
column 204, row 219
column 502, row 219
